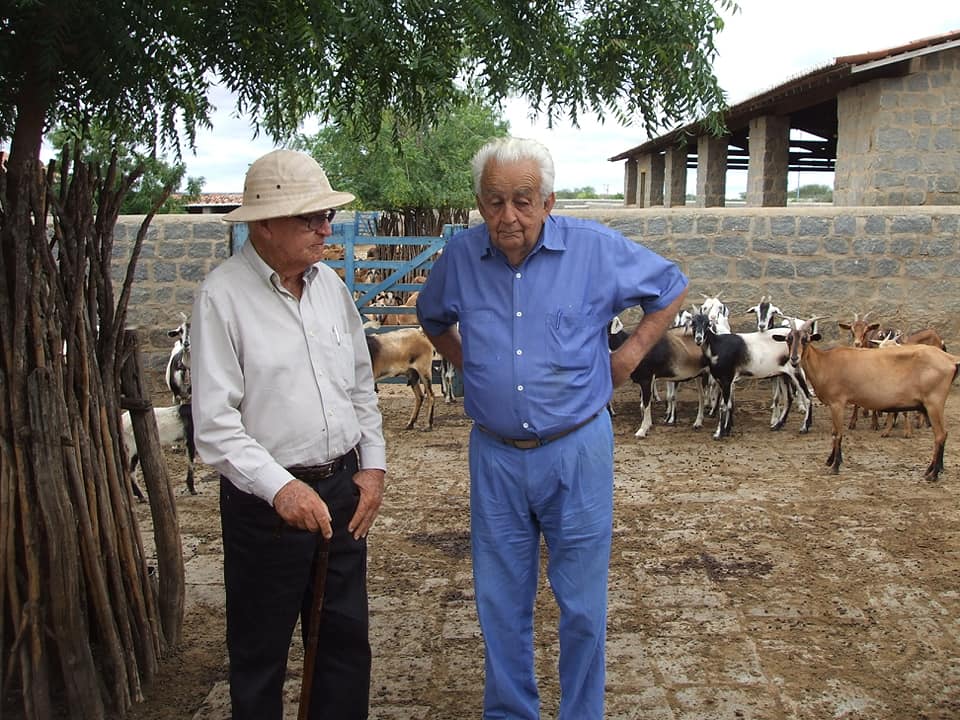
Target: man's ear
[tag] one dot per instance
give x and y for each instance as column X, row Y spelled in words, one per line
column 551, row 201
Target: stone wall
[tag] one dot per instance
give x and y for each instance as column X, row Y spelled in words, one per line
column 898, row 139
column 900, row 263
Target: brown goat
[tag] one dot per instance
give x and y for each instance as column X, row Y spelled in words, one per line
column 927, row 336
column 405, row 352
column 862, row 335
column 404, row 318
column 899, row 378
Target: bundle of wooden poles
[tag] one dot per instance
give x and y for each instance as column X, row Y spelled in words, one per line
column 82, row 626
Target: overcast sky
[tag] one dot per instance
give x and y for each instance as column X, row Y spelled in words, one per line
column 765, row 44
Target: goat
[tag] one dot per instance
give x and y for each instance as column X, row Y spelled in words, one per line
column 719, row 316
column 385, row 298
column 447, row 374
column 404, row 318
column 174, row 425
column 765, row 311
column 405, row 352
column 734, row 355
column 861, row 335
column 675, row 357
column 177, row 374
column 901, row 378
column 927, row 336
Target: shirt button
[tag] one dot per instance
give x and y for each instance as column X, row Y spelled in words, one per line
column 519, row 352
column 519, row 314
column 518, row 276
column 520, row 388
column 526, row 426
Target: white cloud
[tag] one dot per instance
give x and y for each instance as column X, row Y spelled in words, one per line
column 766, row 43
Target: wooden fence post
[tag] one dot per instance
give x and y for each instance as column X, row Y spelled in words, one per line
column 163, row 506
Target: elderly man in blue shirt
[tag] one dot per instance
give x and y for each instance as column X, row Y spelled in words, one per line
column 521, row 305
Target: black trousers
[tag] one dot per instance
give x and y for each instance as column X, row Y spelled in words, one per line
column 268, row 577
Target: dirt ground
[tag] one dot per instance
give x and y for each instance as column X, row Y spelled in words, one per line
column 746, row 581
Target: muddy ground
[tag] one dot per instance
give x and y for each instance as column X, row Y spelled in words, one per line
column 746, row 581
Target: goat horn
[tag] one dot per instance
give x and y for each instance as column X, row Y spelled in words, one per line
column 864, row 318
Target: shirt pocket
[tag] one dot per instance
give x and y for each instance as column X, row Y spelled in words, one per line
column 480, row 332
column 571, row 340
column 347, row 360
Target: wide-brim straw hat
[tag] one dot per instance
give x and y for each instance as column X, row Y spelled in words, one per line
column 284, row 183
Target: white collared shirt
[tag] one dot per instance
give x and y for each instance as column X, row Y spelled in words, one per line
column 279, row 381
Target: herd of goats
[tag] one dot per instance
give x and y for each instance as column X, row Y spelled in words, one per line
column 881, row 371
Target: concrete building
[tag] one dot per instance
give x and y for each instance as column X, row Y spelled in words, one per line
column 886, row 123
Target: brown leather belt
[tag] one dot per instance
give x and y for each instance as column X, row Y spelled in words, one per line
column 324, row 471
column 531, row 443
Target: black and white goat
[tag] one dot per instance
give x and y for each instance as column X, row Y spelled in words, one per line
column 675, row 358
column 174, row 426
column 758, row 354
column 177, row 375
column 766, row 313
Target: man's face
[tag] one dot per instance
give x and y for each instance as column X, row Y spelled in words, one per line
column 511, row 205
column 290, row 245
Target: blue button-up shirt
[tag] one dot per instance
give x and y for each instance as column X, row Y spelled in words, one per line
column 535, row 354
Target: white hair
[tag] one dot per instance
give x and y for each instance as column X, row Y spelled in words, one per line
column 511, row 150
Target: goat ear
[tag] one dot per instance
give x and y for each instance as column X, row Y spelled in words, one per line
column 873, row 326
column 779, row 337
column 843, row 325
column 815, row 336
column 755, row 308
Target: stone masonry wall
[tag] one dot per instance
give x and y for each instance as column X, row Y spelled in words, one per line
column 900, row 263
column 898, row 139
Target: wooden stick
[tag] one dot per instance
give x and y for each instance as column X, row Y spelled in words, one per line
column 313, row 637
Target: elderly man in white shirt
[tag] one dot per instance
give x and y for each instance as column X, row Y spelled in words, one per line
column 285, row 409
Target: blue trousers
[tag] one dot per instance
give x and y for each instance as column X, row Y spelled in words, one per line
column 564, row 491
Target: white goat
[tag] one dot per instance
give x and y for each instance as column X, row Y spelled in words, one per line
column 174, row 426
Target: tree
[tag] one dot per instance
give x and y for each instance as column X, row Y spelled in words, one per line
column 417, row 173
column 96, row 146
column 144, row 71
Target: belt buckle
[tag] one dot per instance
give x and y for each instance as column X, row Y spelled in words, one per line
column 328, row 470
column 526, row 444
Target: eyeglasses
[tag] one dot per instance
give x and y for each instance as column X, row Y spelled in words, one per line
column 315, row 221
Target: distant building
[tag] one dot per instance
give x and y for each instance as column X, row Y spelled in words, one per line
column 214, row 204
column 886, row 123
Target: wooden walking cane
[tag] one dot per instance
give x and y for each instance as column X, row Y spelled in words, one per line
column 313, row 635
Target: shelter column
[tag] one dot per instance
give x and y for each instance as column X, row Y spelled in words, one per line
column 652, row 182
column 630, row 196
column 769, row 161
column 711, row 170
column 675, row 176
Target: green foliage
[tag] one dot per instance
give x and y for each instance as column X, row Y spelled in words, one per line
column 96, row 146
column 815, row 193
column 587, row 191
column 408, row 165
column 145, row 69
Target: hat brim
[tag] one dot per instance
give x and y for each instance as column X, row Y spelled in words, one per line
column 288, row 207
